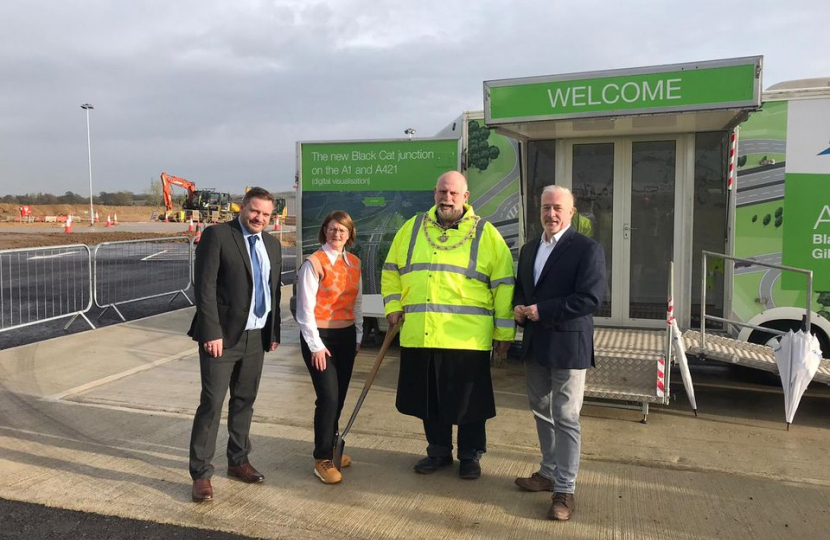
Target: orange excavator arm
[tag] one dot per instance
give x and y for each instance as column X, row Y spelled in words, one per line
column 169, row 180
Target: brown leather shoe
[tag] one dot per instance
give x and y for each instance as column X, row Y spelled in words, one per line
column 563, row 506
column 202, row 491
column 246, row 473
column 535, row 482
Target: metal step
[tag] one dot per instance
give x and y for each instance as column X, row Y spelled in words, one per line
column 733, row 351
column 627, row 365
column 626, row 339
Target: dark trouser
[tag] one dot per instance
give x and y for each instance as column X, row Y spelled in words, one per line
column 330, row 385
column 472, row 437
column 239, row 368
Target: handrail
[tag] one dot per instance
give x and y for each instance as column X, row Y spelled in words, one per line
column 704, row 317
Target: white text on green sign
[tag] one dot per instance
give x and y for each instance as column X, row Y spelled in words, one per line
column 376, row 165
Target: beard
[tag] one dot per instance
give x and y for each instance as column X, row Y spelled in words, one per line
column 449, row 215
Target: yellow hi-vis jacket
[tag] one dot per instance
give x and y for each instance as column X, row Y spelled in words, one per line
column 459, row 298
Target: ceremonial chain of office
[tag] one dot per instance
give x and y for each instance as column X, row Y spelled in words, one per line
column 444, row 237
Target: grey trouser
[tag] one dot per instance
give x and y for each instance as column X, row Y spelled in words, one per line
column 555, row 397
column 238, row 369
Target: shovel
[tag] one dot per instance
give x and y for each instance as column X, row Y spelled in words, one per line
column 340, row 443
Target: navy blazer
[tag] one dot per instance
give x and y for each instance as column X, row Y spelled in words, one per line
column 570, row 289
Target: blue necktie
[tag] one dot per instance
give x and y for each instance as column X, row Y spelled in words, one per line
column 259, row 294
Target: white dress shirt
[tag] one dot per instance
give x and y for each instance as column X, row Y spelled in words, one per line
column 307, row 286
column 255, row 322
column 545, row 248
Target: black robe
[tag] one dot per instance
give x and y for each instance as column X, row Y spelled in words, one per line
column 463, row 386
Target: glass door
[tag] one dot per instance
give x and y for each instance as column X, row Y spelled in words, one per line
column 593, row 166
column 648, row 233
column 626, row 199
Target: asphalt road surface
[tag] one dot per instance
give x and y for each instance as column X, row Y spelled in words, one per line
column 51, row 282
column 36, row 522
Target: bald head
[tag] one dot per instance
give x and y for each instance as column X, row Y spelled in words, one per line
column 454, row 177
column 450, row 196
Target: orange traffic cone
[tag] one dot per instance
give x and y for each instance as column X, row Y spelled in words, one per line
column 114, row 219
column 96, row 217
column 109, row 221
column 198, row 233
column 277, row 225
column 190, row 225
column 67, row 228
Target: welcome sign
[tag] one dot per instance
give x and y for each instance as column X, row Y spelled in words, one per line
column 719, row 84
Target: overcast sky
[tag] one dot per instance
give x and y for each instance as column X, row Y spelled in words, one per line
column 218, row 92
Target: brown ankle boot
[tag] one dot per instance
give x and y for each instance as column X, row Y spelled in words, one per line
column 325, row 470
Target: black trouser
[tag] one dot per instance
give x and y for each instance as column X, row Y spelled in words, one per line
column 239, row 368
column 472, row 438
column 330, row 385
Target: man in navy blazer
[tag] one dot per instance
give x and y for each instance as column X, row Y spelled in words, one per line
column 560, row 284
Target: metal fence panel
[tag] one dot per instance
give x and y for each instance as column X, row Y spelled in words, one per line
column 44, row 284
column 136, row 270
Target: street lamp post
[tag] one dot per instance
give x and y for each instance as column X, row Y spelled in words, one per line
column 87, row 107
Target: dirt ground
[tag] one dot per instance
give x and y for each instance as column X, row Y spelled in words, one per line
column 42, row 234
column 11, row 240
column 11, row 212
column 18, row 240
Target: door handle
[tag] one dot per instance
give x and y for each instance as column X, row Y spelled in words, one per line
column 627, row 228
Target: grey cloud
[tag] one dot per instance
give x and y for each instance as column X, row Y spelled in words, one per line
column 219, row 92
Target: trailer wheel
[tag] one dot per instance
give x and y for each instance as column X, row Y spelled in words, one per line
column 765, row 338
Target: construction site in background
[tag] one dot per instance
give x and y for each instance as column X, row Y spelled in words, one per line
column 205, row 205
column 202, row 205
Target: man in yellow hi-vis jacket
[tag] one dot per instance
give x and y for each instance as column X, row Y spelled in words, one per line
column 449, row 275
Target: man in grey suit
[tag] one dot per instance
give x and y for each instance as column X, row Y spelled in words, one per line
column 237, row 287
column 560, row 283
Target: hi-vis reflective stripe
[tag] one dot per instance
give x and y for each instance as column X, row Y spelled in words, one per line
column 415, row 228
column 414, row 267
column 505, row 323
column 387, row 299
column 444, row 308
column 390, row 266
column 502, row 281
column 471, row 267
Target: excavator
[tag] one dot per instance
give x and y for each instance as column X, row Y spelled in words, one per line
column 205, row 205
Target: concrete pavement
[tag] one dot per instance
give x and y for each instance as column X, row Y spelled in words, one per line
column 100, row 422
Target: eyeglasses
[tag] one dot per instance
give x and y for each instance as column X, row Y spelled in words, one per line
column 335, row 230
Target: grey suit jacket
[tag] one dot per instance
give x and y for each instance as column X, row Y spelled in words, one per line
column 224, row 286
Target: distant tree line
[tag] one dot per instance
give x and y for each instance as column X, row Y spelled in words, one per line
column 119, row 198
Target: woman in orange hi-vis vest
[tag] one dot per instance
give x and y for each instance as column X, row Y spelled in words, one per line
column 330, row 315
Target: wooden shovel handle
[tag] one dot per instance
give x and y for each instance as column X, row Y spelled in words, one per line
column 387, row 342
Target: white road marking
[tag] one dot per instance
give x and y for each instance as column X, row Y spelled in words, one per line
column 64, row 254
column 116, row 376
column 162, row 252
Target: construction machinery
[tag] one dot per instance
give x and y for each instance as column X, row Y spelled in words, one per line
column 206, row 205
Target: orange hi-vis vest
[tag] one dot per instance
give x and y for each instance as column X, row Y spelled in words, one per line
column 338, row 286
